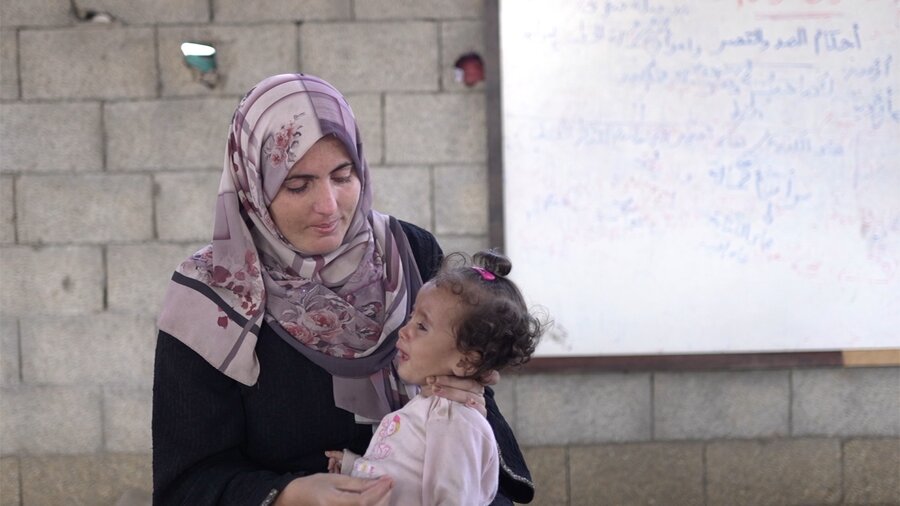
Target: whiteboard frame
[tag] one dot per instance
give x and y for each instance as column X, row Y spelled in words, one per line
column 663, row 362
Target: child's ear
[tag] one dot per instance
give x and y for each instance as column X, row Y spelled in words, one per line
column 467, row 364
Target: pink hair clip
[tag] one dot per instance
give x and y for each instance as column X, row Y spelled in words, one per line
column 485, row 274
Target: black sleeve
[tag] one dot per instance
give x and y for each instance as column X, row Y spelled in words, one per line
column 515, row 479
column 198, row 431
column 425, row 249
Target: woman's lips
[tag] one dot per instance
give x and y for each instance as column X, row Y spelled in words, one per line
column 326, row 228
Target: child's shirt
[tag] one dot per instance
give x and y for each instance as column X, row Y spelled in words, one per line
column 438, row 452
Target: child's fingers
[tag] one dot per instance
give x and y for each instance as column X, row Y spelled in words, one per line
column 334, row 461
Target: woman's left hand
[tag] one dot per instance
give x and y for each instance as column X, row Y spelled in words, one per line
column 463, row 390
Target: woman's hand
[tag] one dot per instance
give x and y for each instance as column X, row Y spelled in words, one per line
column 463, row 390
column 334, row 489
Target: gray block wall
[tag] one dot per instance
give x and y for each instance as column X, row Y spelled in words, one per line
column 773, row 437
column 110, row 155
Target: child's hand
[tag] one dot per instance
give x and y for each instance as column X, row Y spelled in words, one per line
column 335, row 458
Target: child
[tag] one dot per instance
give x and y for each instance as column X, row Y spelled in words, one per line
column 467, row 321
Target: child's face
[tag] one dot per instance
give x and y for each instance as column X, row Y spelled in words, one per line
column 427, row 343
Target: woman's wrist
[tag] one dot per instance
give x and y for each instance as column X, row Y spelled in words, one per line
column 290, row 493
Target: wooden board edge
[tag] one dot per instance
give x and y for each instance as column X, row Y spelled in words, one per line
column 871, row 358
column 700, row 362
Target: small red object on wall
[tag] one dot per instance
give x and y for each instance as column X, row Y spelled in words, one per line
column 469, row 69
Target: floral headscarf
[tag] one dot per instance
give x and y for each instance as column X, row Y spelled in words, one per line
column 342, row 309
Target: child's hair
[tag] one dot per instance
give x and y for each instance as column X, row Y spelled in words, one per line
column 495, row 322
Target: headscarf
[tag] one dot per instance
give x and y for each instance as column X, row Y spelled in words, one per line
column 341, row 309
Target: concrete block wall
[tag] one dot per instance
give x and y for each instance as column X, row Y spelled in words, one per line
column 773, row 437
column 110, row 155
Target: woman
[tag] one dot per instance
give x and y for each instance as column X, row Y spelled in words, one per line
column 276, row 341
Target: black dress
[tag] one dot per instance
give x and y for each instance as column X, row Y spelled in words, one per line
column 217, row 441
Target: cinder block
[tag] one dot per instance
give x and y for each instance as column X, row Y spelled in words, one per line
column 7, row 210
column 459, row 38
column 139, row 274
column 9, row 482
column 73, row 286
column 776, row 473
column 102, row 348
column 88, row 62
column 549, row 468
column 171, row 134
column 404, row 192
column 650, row 473
column 9, row 66
column 135, row 497
column 582, row 408
column 461, row 200
column 372, row 56
column 244, row 54
column 126, row 416
column 721, row 405
column 35, row 13
column 872, row 471
column 448, row 128
column 157, row 11
column 418, row 9
column 84, row 209
column 185, row 204
column 49, row 419
column 847, row 402
column 83, row 479
column 229, row 11
column 75, row 130
column 469, row 244
column 367, row 108
column 9, row 350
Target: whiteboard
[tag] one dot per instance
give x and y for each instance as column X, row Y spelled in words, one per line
column 704, row 176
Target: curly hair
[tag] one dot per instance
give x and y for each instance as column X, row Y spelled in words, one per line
column 495, row 322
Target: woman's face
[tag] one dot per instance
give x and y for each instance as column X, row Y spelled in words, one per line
column 427, row 343
column 315, row 205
